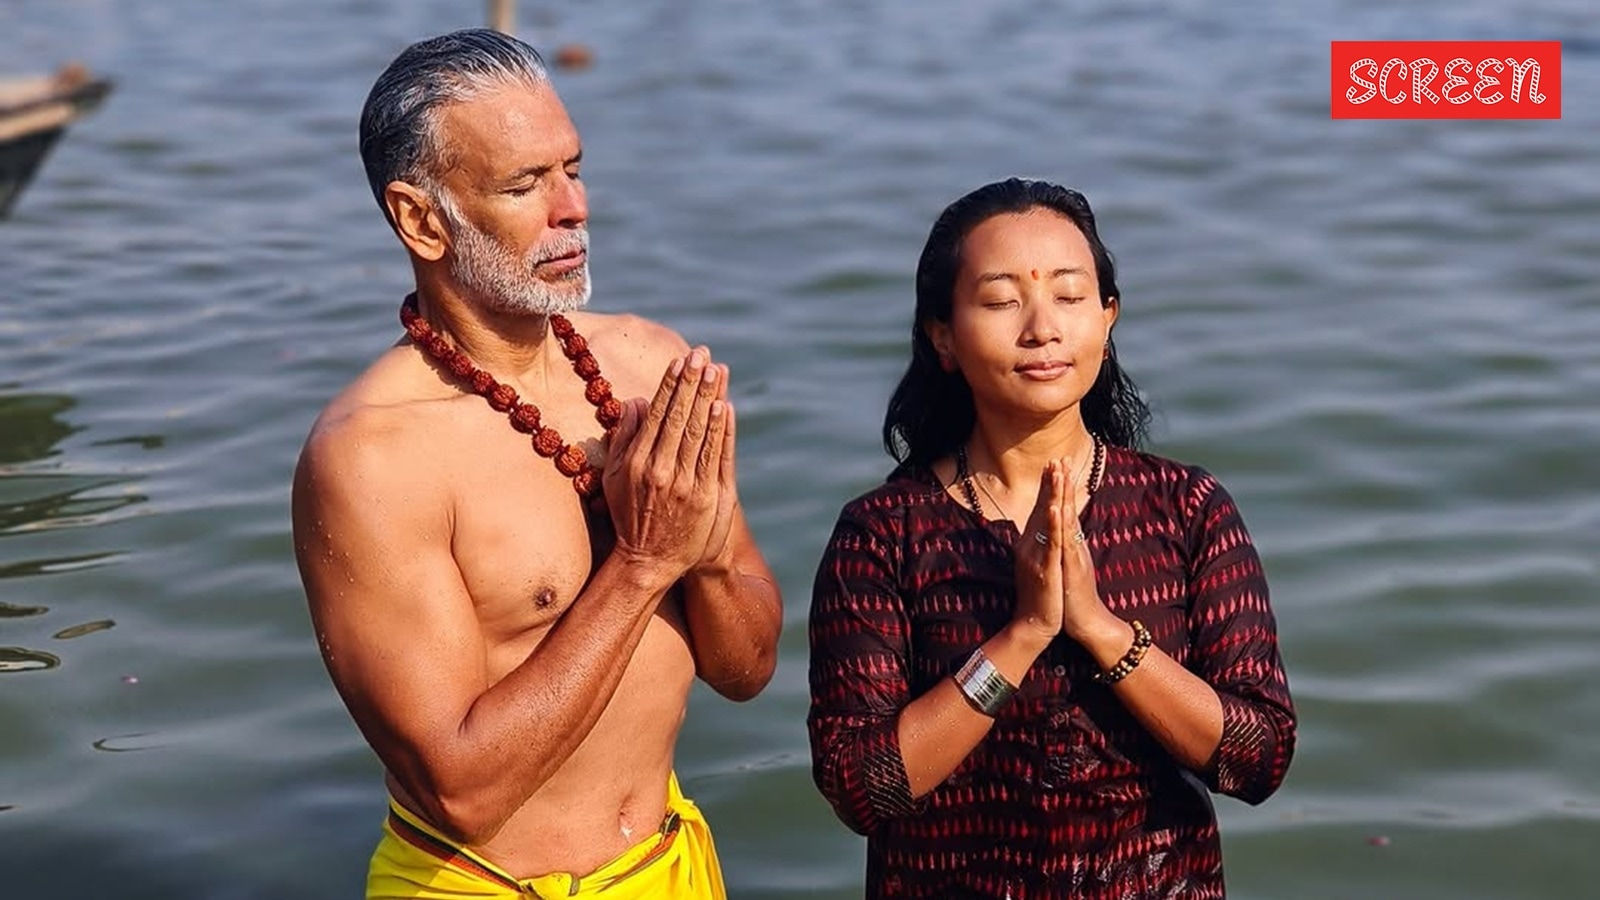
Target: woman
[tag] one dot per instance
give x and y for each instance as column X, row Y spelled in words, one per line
column 1034, row 648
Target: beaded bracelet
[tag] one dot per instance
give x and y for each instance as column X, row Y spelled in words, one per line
column 982, row 684
column 1131, row 659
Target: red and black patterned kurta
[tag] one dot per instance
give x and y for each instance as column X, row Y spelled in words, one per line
column 1067, row 795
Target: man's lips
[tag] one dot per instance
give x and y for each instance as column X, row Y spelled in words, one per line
column 566, row 262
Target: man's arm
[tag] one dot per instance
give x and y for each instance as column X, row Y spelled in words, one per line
column 734, row 613
column 403, row 645
column 732, row 604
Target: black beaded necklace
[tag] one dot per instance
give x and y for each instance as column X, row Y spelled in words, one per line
column 969, row 487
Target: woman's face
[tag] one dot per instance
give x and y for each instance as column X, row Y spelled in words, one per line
column 1027, row 329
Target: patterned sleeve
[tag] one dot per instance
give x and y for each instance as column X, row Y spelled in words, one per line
column 859, row 678
column 1234, row 640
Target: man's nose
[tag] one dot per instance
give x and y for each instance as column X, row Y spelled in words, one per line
column 570, row 208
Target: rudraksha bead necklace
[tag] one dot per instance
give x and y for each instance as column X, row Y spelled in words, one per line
column 570, row 460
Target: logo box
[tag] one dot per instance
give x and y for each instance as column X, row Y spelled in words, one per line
column 1445, row 80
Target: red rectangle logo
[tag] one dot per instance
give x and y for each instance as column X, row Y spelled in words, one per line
column 1446, row 80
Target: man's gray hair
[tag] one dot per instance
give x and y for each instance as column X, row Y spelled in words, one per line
column 399, row 123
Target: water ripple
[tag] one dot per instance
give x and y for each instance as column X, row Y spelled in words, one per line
column 1380, row 335
column 77, row 631
column 21, row 659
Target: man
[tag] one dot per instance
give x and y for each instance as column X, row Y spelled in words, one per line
column 515, row 573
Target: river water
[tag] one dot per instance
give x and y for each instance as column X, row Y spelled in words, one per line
column 1384, row 337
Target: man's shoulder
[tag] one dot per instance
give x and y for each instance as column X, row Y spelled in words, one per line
column 369, row 429
column 633, row 351
column 629, row 334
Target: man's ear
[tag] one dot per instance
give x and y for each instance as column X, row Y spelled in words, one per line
column 417, row 220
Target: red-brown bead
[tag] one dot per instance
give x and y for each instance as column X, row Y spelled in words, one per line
column 571, row 461
column 598, row 391
column 609, row 413
column 483, row 382
column 459, row 365
column 502, row 398
column 573, row 345
column 587, row 482
column 547, row 442
column 561, row 326
column 586, row 365
column 525, row 418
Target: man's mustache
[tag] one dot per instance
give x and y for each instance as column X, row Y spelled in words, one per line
column 564, row 244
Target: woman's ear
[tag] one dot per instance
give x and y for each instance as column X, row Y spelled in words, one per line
column 939, row 335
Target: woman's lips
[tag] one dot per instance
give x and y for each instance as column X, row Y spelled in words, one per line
column 1048, row 370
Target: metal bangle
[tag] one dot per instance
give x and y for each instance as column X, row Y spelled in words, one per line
column 982, row 684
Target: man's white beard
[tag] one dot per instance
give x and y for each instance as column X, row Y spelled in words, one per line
column 506, row 284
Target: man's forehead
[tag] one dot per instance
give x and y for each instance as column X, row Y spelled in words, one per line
column 516, row 117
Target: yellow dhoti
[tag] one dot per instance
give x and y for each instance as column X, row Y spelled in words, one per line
column 414, row 862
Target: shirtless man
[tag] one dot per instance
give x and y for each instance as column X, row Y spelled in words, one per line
column 520, row 657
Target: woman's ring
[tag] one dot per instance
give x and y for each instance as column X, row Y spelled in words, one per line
column 1078, row 537
column 1042, row 538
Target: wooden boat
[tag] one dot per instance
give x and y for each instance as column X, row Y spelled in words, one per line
column 34, row 112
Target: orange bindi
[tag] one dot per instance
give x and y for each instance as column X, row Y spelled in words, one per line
column 1035, row 273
